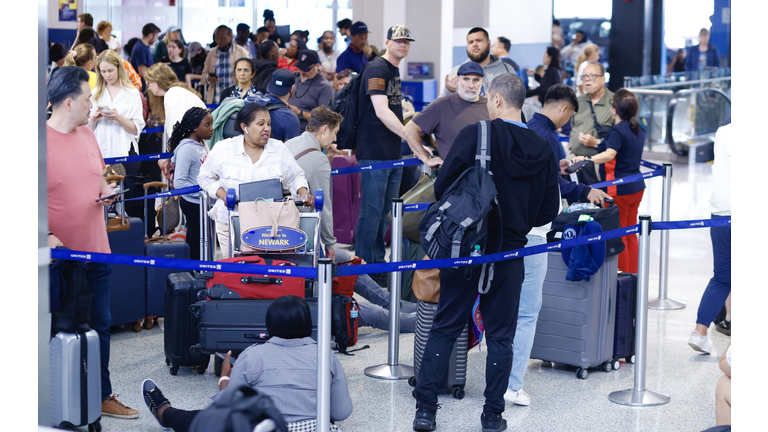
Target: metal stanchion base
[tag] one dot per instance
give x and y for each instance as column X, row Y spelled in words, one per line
column 387, row 372
column 633, row 398
column 665, row 304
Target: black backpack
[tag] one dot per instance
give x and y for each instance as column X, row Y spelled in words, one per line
column 454, row 225
column 347, row 103
column 238, row 409
column 70, row 297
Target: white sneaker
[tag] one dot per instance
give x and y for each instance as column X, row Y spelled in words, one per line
column 519, row 397
column 699, row 343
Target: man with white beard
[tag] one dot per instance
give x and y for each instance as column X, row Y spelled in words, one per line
column 448, row 115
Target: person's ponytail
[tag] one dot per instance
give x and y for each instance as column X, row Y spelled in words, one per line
column 626, row 105
column 634, row 125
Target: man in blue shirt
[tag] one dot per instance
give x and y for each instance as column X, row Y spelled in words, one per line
column 285, row 123
column 354, row 57
column 141, row 56
column 559, row 104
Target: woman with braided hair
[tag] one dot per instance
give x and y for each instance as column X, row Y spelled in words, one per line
column 189, row 153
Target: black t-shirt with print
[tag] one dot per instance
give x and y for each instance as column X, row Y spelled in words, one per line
column 374, row 139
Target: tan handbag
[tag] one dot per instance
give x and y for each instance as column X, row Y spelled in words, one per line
column 426, row 284
column 262, row 213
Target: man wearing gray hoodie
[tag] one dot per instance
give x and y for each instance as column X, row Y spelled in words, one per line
column 479, row 51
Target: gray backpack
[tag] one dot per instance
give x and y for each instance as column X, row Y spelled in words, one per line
column 453, row 226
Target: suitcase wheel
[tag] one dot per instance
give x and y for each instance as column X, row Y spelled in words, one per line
column 607, row 366
column 631, row 359
column 582, row 373
column 137, row 326
column 201, row 369
column 174, row 370
column 149, row 322
column 95, row 427
column 547, row 363
column 616, row 364
column 412, row 381
column 458, row 393
column 168, row 362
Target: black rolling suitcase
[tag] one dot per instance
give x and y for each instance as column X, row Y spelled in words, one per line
column 128, row 303
column 235, row 324
column 626, row 303
column 180, row 325
column 456, row 377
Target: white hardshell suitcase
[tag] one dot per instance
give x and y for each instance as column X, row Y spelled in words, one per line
column 76, row 380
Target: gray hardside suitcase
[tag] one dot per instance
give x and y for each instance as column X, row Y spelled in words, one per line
column 457, row 365
column 76, row 360
column 576, row 321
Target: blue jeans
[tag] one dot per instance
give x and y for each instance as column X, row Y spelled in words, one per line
column 378, row 188
column 720, row 285
column 99, row 275
column 528, row 314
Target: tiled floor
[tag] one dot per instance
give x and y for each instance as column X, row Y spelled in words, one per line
column 561, row 402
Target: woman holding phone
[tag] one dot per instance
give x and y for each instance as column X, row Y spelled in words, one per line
column 117, row 115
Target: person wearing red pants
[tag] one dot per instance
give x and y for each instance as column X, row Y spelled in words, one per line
column 619, row 157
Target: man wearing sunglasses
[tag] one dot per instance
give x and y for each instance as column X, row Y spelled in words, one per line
column 592, row 121
column 313, row 90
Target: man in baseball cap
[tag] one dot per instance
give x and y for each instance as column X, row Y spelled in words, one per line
column 355, row 57
column 285, row 124
column 447, row 116
column 313, row 90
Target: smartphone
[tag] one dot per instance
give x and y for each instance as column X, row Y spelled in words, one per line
column 117, row 192
column 105, row 110
column 577, row 166
column 224, row 355
column 212, row 75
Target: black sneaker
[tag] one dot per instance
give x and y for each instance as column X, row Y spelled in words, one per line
column 154, row 399
column 724, row 327
column 426, row 417
column 493, row 422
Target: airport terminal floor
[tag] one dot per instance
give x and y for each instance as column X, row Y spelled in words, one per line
column 560, row 401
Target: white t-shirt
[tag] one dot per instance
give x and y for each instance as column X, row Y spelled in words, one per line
column 177, row 101
column 113, row 139
column 720, row 202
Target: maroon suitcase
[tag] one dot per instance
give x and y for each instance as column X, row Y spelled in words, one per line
column 346, row 200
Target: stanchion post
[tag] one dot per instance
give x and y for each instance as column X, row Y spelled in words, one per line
column 203, row 195
column 324, row 280
column 639, row 396
column 393, row 370
column 664, row 303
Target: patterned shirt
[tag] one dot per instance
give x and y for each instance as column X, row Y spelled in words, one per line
column 223, row 71
column 253, row 91
column 228, row 166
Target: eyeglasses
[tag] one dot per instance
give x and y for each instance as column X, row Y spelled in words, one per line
column 307, row 69
column 590, row 77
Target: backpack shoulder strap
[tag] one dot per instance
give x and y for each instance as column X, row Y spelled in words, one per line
column 300, row 155
column 483, row 155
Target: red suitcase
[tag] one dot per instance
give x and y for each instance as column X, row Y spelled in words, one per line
column 266, row 287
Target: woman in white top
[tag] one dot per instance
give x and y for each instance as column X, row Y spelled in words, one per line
column 117, row 116
column 591, row 54
column 104, row 29
column 169, row 100
column 246, row 158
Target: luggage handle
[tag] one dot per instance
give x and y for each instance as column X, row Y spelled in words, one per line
column 157, row 184
column 260, row 336
column 245, row 280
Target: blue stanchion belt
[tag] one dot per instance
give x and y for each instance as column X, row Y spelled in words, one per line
column 175, row 192
column 629, row 179
column 307, row 272
column 184, row 264
column 563, row 139
column 152, row 130
column 138, row 158
column 376, row 166
column 650, row 165
column 718, row 222
column 416, row 207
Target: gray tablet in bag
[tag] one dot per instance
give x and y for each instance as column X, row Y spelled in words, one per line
column 271, row 188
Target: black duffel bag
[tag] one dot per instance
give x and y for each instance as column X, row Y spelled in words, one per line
column 608, row 218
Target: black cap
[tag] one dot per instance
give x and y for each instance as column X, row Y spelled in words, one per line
column 307, row 58
column 358, row 28
column 282, row 82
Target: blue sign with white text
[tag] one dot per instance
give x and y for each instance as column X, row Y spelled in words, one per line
column 285, row 238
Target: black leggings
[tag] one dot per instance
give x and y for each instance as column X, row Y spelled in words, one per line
column 178, row 420
column 192, row 215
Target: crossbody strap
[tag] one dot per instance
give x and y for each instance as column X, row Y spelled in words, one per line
column 302, row 154
column 597, row 124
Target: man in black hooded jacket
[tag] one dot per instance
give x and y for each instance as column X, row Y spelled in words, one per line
column 525, row 173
